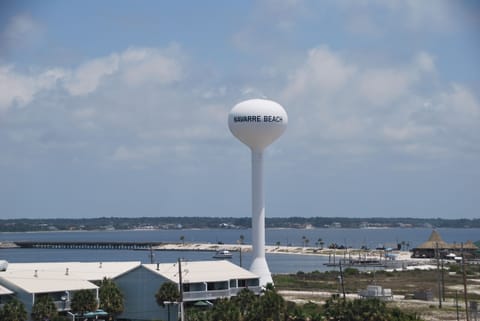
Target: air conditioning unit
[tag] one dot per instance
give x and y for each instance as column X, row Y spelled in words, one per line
column 3, row 265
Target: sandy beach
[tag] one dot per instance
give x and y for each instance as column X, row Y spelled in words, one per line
column 273, row 249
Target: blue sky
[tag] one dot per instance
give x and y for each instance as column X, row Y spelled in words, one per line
column 119, row 108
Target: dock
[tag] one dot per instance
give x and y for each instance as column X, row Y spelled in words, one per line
column 109, row 245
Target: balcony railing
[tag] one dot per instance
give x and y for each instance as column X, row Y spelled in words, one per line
column 215, row 294
column 62, row 305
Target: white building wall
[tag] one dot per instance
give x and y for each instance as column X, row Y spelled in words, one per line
column 22, row 296
column 139, row 288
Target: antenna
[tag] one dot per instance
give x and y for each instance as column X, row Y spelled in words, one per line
column 257, row 123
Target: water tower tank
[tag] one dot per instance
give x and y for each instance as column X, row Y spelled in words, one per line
column 257, row 122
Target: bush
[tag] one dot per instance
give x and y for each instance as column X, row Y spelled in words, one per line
column 351, row 271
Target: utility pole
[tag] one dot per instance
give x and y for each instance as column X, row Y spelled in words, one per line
column 443, row 279
column 438, row 277
column 465, row 294
column 240, row 251
column 456, row 305
column 151, row 255
column 341, row 280
column 180, row 283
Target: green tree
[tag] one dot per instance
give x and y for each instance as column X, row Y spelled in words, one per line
column 182, row 239
column 272, row 305
column 111, row 298
column 225, row 310
column 44, row 308
column 194, row 314
column 13, row 311
column 83, row 301
column 245, row 301
column 242, row 239
column 166, row 295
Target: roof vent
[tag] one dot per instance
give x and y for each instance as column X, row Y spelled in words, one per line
column 158, row 266
column 66, row 271
column 100, row 265
column 35, row 273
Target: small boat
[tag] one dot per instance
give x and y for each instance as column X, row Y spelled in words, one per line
column 223, row 254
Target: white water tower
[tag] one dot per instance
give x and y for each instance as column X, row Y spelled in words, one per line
column 258, row 123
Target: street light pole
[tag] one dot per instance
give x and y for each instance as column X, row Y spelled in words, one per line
column 180, row 283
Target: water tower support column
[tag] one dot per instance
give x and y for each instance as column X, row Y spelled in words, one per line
column 257, row 123
column 259, row 264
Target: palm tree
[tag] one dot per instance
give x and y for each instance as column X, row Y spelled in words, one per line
column 44, row 308
column 242, row 239
column 111, row 298
column 182, row 239
column 278, row 244
column 303, row 240
column 83, row 301
column 167, row 294
column 321, row 242
column 13, row 311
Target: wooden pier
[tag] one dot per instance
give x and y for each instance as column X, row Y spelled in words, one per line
column 109, row 245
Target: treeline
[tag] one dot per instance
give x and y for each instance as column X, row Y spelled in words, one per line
column 186, row 222
column 270, row 306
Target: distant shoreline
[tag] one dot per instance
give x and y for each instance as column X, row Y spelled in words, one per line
column 232, row 223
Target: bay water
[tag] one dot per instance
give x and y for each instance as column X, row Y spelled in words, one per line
column 278, row 263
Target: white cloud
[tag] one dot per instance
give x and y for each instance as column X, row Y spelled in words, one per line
column 337, row 106
column 322, row 72
column 425, row 62
column 351, row 106
column 137, row 67
column 382, row 86
column 460, row 103
column 86, row 78
column 19, row 89
column 143, row 66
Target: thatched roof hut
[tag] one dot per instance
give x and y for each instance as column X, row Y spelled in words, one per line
column 433, row 242
column 469, row 245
